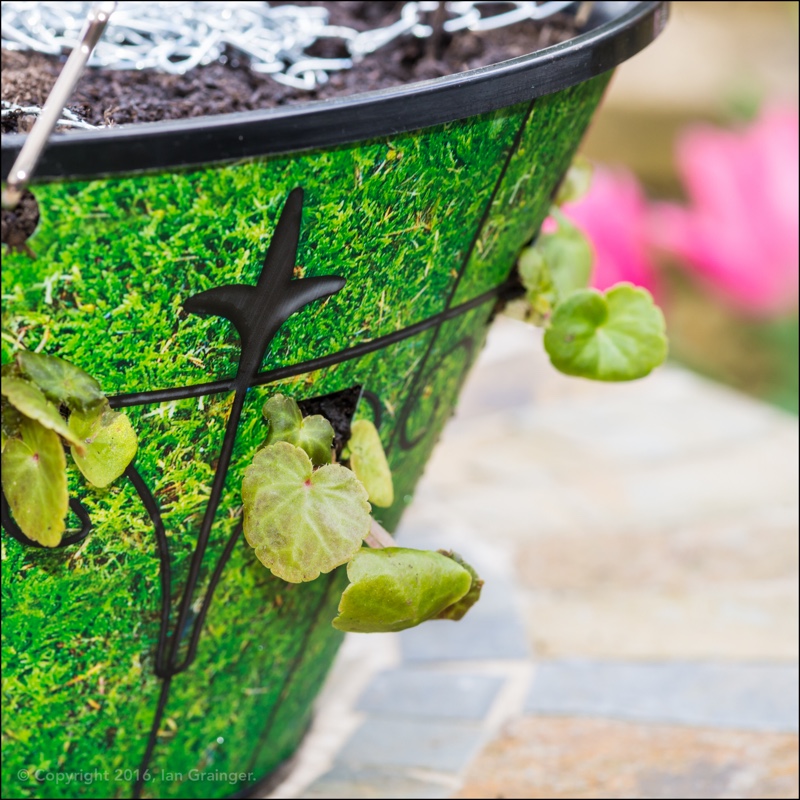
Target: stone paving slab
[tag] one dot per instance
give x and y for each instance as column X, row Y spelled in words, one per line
column 484, row 635
column 425, row 693
column 759, row 548
column 391, row 742
column 739, row 622
column 590, row 758
column 744, row 696
column 369, row 782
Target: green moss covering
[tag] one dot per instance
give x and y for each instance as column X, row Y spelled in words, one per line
column 523, row 198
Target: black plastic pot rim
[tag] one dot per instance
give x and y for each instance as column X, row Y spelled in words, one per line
column 622, row 29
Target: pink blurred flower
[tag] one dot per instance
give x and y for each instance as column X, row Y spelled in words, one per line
column 739, row 233
column 613, row 216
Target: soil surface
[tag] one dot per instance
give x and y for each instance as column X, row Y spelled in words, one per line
column 126, row 96
column 18, row 224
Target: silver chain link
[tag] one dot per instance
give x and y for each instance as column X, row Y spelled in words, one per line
column 68, row 118
column 177, row 36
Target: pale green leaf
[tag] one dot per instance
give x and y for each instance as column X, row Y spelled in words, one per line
column 287, row 424
column 396, row 588
column 457, row 610
column 61, row 381
column 568, row 256
column 31, row 403
column 301, row 521
column 110, row 444
column 576, row 182
column 541, row 293
column 368, row 461
column 35, row 482
column 616, row 336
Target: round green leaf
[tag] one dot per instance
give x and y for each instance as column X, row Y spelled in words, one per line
column 61, row 381
column 457, row 610
column 368, row 461
column 396, row 588
column 616, row 336
column 302, row 522
column 110, row 444
column 35, row 482
column 287, row 424
column 283, row 415
column 576, row 182
column 31, row 403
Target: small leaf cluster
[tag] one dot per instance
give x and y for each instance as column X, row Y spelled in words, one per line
column 616, row 335
column 305, row 515
column 48, row 403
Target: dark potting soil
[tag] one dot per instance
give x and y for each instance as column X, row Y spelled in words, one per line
column 18, row 224
column 338, row 408
column 118, row 97
column 126, row 96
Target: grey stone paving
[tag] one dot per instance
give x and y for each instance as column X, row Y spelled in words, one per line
column 422, row 743
column 425, row 693
column 742, row 696
column 490, row 635
column 362, row 782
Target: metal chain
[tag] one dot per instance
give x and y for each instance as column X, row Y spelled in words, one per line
column 177, row 36
column 68, row 118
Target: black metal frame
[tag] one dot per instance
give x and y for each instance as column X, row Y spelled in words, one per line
column 613, row 38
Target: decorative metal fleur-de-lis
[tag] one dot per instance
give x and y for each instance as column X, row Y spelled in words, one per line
column 258, row 311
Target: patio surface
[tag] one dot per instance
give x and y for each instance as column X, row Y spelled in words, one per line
column 638, row 634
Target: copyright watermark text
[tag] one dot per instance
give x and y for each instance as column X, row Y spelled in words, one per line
column 131, row 775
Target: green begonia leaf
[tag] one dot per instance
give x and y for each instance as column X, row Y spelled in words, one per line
column 569, row 258
column 287, row 424
column 301, row 521
column 616, row 336
column 396, row 588
column 457, row 610
column 61, row 381
column 368, row 461
column 576, row 182
column 541, row 292
column 35, row 482
column 110, row 444
column 31, row 403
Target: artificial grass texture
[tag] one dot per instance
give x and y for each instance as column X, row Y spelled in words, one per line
column 115, row 260
column 523, row 200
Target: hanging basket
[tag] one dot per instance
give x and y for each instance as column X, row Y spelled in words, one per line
column 345, row 252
